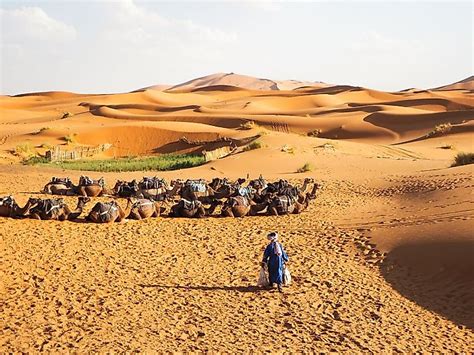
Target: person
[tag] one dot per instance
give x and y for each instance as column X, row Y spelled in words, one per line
column 275, row 258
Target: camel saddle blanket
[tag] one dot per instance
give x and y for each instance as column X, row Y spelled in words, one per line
column 57, row 180
column 284, row 202
column 48, row 206
column 105, row 208
column 87, row 181
column 245, row 191
column 8, row 201
column 148, row 183
column 189, row 205
column 197, row 186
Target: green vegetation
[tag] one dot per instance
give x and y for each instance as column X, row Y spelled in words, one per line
column 440, row 130
column 253, row 145
column 463, row 159
column 305, row 168
column 160, row 163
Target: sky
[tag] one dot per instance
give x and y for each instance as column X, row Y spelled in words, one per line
column 119, row 46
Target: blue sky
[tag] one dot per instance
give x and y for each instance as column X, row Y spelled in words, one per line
column 117, row 46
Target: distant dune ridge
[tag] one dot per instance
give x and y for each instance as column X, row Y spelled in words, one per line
column 381, row 261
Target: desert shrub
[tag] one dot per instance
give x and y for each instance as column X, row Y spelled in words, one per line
column 247, row 125
column 287, row 149
column 70, row 138
column 440, row 130
column 314, row 133
column 24, row 149
column 305, row 168
column 42, row 129
column 463, row 159
column 67, row 114
column 253, row 145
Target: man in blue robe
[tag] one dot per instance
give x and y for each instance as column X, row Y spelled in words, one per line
column 275, row 257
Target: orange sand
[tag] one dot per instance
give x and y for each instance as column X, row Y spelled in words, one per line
column 382, row 260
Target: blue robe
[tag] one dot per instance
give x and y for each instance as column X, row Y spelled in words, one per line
column 275, row 263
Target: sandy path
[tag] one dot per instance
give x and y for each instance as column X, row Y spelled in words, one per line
column 189, row 284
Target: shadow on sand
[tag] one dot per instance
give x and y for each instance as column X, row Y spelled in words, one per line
column 439, row 276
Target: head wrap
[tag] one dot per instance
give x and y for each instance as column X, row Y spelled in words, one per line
column 273, row 236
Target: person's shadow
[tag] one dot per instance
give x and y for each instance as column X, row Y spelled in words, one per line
column 252, row 289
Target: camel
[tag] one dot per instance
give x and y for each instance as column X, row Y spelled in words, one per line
column 144, row 208
column 59, row 186
column 240, row 206
column 193, row 191
column 9, row 207
column 57, row 209
column 86, row 187
column 109, row 212
column 288, row 204
column 125, row 189
column 185, row 208
column 162, row 193
column 91, row 188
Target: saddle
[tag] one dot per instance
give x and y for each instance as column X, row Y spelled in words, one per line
column 105, row 208
column 48, row 206
column 127, row 189
column 64, row 181
column 283, row 203
column 8, row 201
column 196, row 185
column 245, row 191
column 189, row 205
column 148, row 183
column 87, row 181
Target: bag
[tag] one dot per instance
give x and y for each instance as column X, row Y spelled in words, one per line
column 286, row 276
column 263, row 278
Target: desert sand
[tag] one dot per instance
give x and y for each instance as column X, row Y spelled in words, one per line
column 381, row 261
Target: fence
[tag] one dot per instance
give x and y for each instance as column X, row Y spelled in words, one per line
column 57, row 154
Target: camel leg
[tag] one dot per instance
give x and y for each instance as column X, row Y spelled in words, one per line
column 272, row 211
column 227, row 213
column 135, row 215
column 35, row 216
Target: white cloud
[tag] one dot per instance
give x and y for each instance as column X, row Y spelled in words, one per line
column 32, row 23
column 135, row 24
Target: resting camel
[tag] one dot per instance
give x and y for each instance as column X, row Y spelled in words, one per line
column 57, row 209
column 9, row 207
column 193, row 191
column 109, row 212
column 240, row 206
column 287, row 204
column 185, row 208
column 59, row 186
column 125, row 189
column 144, row 208
column 86, row 187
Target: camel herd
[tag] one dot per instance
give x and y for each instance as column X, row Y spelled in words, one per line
column 151, row 197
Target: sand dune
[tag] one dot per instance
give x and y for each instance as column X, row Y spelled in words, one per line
column 465, row 84
column 381, row 262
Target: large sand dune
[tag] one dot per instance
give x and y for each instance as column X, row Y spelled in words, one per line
column 382, row 261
